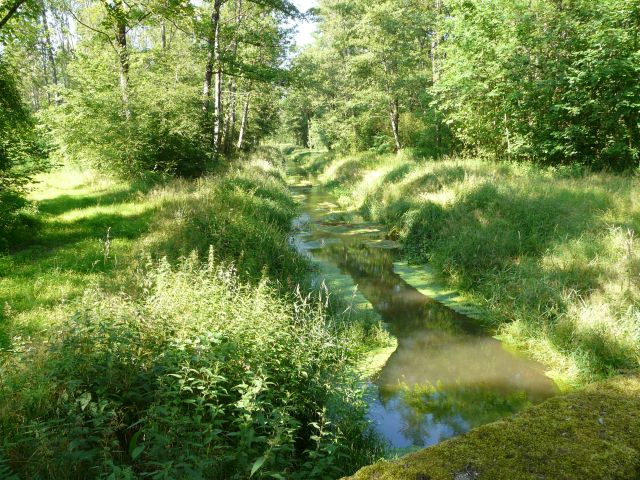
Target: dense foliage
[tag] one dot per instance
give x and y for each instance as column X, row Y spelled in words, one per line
column 201, row 377
column 21, row 154
column 126, row 352
column 140, row 86
column 551, row 81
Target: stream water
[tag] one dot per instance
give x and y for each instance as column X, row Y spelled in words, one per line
column 447, row 375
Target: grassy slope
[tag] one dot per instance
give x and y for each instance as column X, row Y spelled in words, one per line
column 122, row 325
column 551, row 255
column 552, row 259
column 40, row 279
column 244, row 218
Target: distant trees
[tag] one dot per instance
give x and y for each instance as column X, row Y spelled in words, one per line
column 556, row 82
column 119, row 84
column 369, row 72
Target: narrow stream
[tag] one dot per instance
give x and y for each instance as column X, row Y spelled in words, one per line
column 447, row 375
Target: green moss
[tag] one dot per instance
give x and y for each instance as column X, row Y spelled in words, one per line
column 426, row 280
column 591, row 434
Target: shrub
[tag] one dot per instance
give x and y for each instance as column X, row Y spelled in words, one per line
column 203, row 376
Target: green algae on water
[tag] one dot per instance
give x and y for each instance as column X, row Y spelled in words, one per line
column 424, row 279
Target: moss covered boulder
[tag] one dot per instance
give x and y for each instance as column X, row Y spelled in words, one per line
column 591, row 434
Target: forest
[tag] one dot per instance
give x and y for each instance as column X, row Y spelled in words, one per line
column 403, row 246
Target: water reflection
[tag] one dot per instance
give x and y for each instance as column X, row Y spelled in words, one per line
column 446, row 376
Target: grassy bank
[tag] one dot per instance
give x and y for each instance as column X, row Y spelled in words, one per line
column 154, row 330
column 550, row 254
column 593, row 433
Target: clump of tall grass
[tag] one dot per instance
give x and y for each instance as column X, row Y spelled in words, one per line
column 551, row 253
column 245, row 215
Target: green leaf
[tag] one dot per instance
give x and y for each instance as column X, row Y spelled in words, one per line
column 84, row 400
column 137, row 451
column 257, row 464
column 134, row 449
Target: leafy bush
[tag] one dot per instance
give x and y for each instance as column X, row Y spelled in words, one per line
column 201, row 377
column 164, row 133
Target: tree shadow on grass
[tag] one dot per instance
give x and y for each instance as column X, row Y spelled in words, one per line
column 61, row 258
column 65, row 203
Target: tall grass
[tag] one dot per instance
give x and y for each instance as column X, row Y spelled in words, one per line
column 183, row 349
column 552, row 254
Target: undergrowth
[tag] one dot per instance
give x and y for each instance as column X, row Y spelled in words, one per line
column 201, row 376
column 551, row 254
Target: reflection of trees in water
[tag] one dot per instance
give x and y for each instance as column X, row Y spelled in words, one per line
column 460, row 408
column 485, row 383
column 372, row 270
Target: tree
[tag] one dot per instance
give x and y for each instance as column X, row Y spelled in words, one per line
column 245, row 40
column 22, row 154
column 371, row 70
column 10, row 11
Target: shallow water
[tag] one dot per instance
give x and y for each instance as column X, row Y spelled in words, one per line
column 447, row 375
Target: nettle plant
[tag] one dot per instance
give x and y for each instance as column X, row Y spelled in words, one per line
column 200, row 377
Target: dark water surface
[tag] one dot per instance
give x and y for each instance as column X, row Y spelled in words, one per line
column 447, row 375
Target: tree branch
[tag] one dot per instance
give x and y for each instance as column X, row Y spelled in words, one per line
column 91, row 28
column 11, row 12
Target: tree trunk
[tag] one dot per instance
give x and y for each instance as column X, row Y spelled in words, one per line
column 507, row 134
column 217, row 108
column 123, row 62
column 50, row 57
column 12, row 11
column 211, row 55
column 214, row 65
column 230, row 127
column 394, row 115
column 305, row 129
column 163, row 35
column 64, row 42
column 206, row 90
column 435, row 72
column 245, row 121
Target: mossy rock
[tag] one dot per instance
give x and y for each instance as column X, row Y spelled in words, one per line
column 591, row 434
